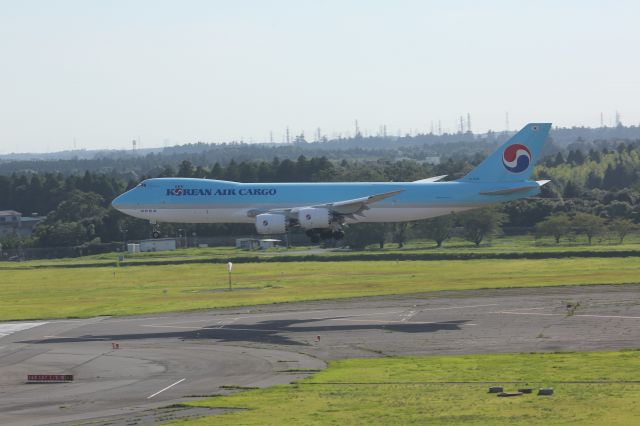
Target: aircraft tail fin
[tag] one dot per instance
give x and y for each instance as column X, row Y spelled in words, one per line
column 514, row 161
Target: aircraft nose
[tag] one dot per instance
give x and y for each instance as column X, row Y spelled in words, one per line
column 117, row 202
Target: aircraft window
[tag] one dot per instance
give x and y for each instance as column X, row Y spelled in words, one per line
column 141, row 185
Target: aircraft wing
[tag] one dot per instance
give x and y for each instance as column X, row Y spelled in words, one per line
column 343, row 208
column 431, row 179
column 357, row 205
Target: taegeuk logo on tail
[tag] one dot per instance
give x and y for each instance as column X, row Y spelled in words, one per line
column 516, row 158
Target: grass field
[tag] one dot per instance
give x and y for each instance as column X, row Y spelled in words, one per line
column 35, row 293
column 408, row 391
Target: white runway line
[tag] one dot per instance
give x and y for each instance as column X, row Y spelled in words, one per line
column 168, row 387
column 409, row 315
column 13, row 327
column 459, row 307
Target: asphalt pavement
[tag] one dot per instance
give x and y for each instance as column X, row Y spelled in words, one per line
column 129, row 367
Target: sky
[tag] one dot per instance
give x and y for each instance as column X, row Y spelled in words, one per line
column 97, row 74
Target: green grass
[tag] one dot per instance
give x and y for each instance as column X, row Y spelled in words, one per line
column 30, row 293
column 401, row 391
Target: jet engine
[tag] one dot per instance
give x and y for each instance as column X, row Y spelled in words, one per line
column 314, row 218
column 269, row 223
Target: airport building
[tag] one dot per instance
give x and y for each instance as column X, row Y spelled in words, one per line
column 13, row 223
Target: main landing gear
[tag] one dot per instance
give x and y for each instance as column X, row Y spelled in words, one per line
column 318, row 235
column 155, row 233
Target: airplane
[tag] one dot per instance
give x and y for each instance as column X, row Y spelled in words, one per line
column 323, row 209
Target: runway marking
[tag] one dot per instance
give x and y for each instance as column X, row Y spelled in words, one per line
column 287, row 313
column 564, row 315
column 10, row 328
column 408, row 315
column 371, row 314
column 459, row 307
column 168, row 387
column 606, row 316
column 418, row 311
column 526, row 309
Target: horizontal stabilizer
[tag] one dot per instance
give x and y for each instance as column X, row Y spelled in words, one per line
column 508, row 191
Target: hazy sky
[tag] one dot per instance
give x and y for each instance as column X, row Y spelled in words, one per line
column 106, row 72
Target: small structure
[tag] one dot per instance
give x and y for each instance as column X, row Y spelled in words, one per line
column 247, row 243
column 159, row 244
column 133, row 248
column 268, row 243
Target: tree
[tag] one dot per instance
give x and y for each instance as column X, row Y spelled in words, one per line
column 482, row 223
column 619, row 209
column 360, row 235
column 185, row 169
column 437, row 229
column 79, row 206
column 62, row 234
column 556, row 226
column 622, row 227
column 588, row 224
column 400, row 232
column 571, row 190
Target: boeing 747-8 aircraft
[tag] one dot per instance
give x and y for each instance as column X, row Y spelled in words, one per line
column 323, row 208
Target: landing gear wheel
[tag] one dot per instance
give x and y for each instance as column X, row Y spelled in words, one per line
column 326, row 235
column 338, row 235
column 155, row 234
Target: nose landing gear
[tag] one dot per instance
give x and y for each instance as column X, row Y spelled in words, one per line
column 155, row 233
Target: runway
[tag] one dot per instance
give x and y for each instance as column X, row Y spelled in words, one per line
column 168, row 358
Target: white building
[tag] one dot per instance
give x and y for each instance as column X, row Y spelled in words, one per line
column 247, row 243
column 160, row 244
column 268, row 243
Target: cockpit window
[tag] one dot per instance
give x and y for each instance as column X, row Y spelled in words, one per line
column 141, row 185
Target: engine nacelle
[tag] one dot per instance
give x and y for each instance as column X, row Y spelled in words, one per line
column 269, row 223
column 314, row 218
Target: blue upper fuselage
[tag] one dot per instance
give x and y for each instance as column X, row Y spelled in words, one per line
column 188, row 192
